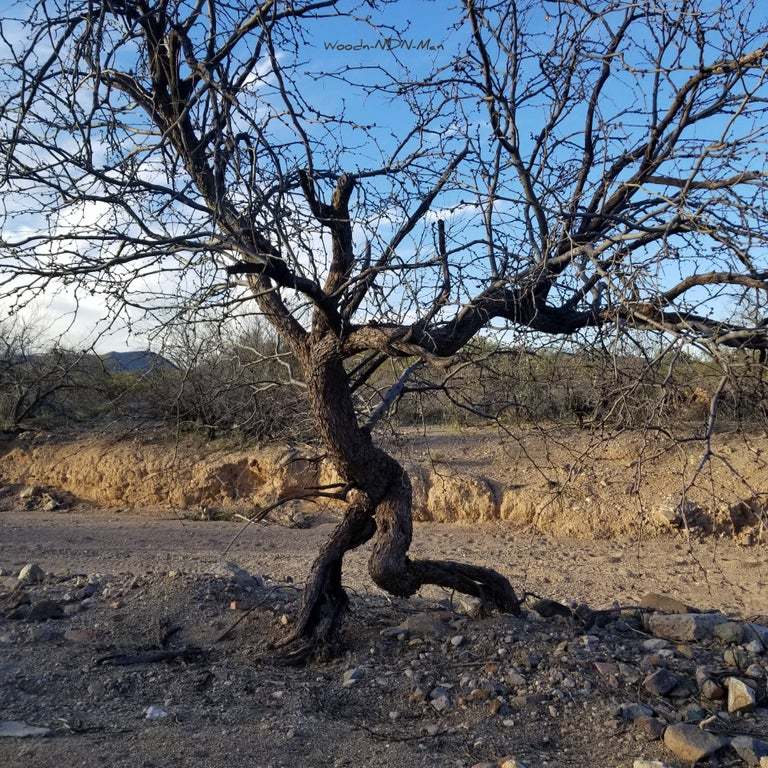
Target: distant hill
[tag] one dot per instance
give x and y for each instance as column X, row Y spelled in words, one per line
column 135, row 362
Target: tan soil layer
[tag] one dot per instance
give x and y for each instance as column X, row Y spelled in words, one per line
column 562, row 482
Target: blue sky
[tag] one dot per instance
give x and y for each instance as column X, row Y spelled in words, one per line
column 419, row 21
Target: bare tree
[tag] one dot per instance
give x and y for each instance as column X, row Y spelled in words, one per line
column 562, row 171
column 37, row 375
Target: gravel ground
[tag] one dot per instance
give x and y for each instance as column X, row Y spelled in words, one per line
column 422, row 682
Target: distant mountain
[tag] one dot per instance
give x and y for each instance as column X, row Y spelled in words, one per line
column 135, row 362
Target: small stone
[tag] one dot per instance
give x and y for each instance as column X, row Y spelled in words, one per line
column 684, row 627
column 352, row 677
column 750, row 750
column 425, row 624
column 693, row 713
column 736, row 657
column 741, row 698
column 440, row 703
column 514, row 678
column 474, row 607
column 661, row 682
column 31, row 573
column 630, row 674
column 730, row 632
column 649, row 764
column 457, row 640
column 631, row 711
column 589, row 642
column 663, row 604
column 712, row 690
column 607, row 669
column 654, row 644
column 690, row 743
column 511, row 762
column 755, row 646
column 755, row 671
column 154, row 712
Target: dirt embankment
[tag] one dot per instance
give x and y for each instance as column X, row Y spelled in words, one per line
column 563, row 483
column 139, row 475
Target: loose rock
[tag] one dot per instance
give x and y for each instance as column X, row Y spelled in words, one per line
column 661, row 682
column 684, row 626
column 741, row 698
column 352, row 677
column 730, row 632
column 750, row 750
column 690, row 743
column 634, row 711
column 31, row 573
column 511, row 762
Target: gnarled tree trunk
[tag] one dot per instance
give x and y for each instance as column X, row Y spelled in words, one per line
column 379, row 508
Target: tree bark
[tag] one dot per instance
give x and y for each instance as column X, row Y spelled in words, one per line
column 379, row 508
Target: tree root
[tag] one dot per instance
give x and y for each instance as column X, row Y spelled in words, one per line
column 317, row 629
column 392, row 569
column 316, row 632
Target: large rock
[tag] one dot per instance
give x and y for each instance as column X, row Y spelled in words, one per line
column 691, row 743
column 461, row 498
column 684, row 627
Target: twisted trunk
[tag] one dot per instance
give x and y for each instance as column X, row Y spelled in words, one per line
column 379, row 508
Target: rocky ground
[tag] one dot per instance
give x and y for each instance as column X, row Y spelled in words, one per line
column 115, row 643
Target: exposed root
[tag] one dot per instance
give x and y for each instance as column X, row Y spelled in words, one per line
column 392, row 569
column 317, row 629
